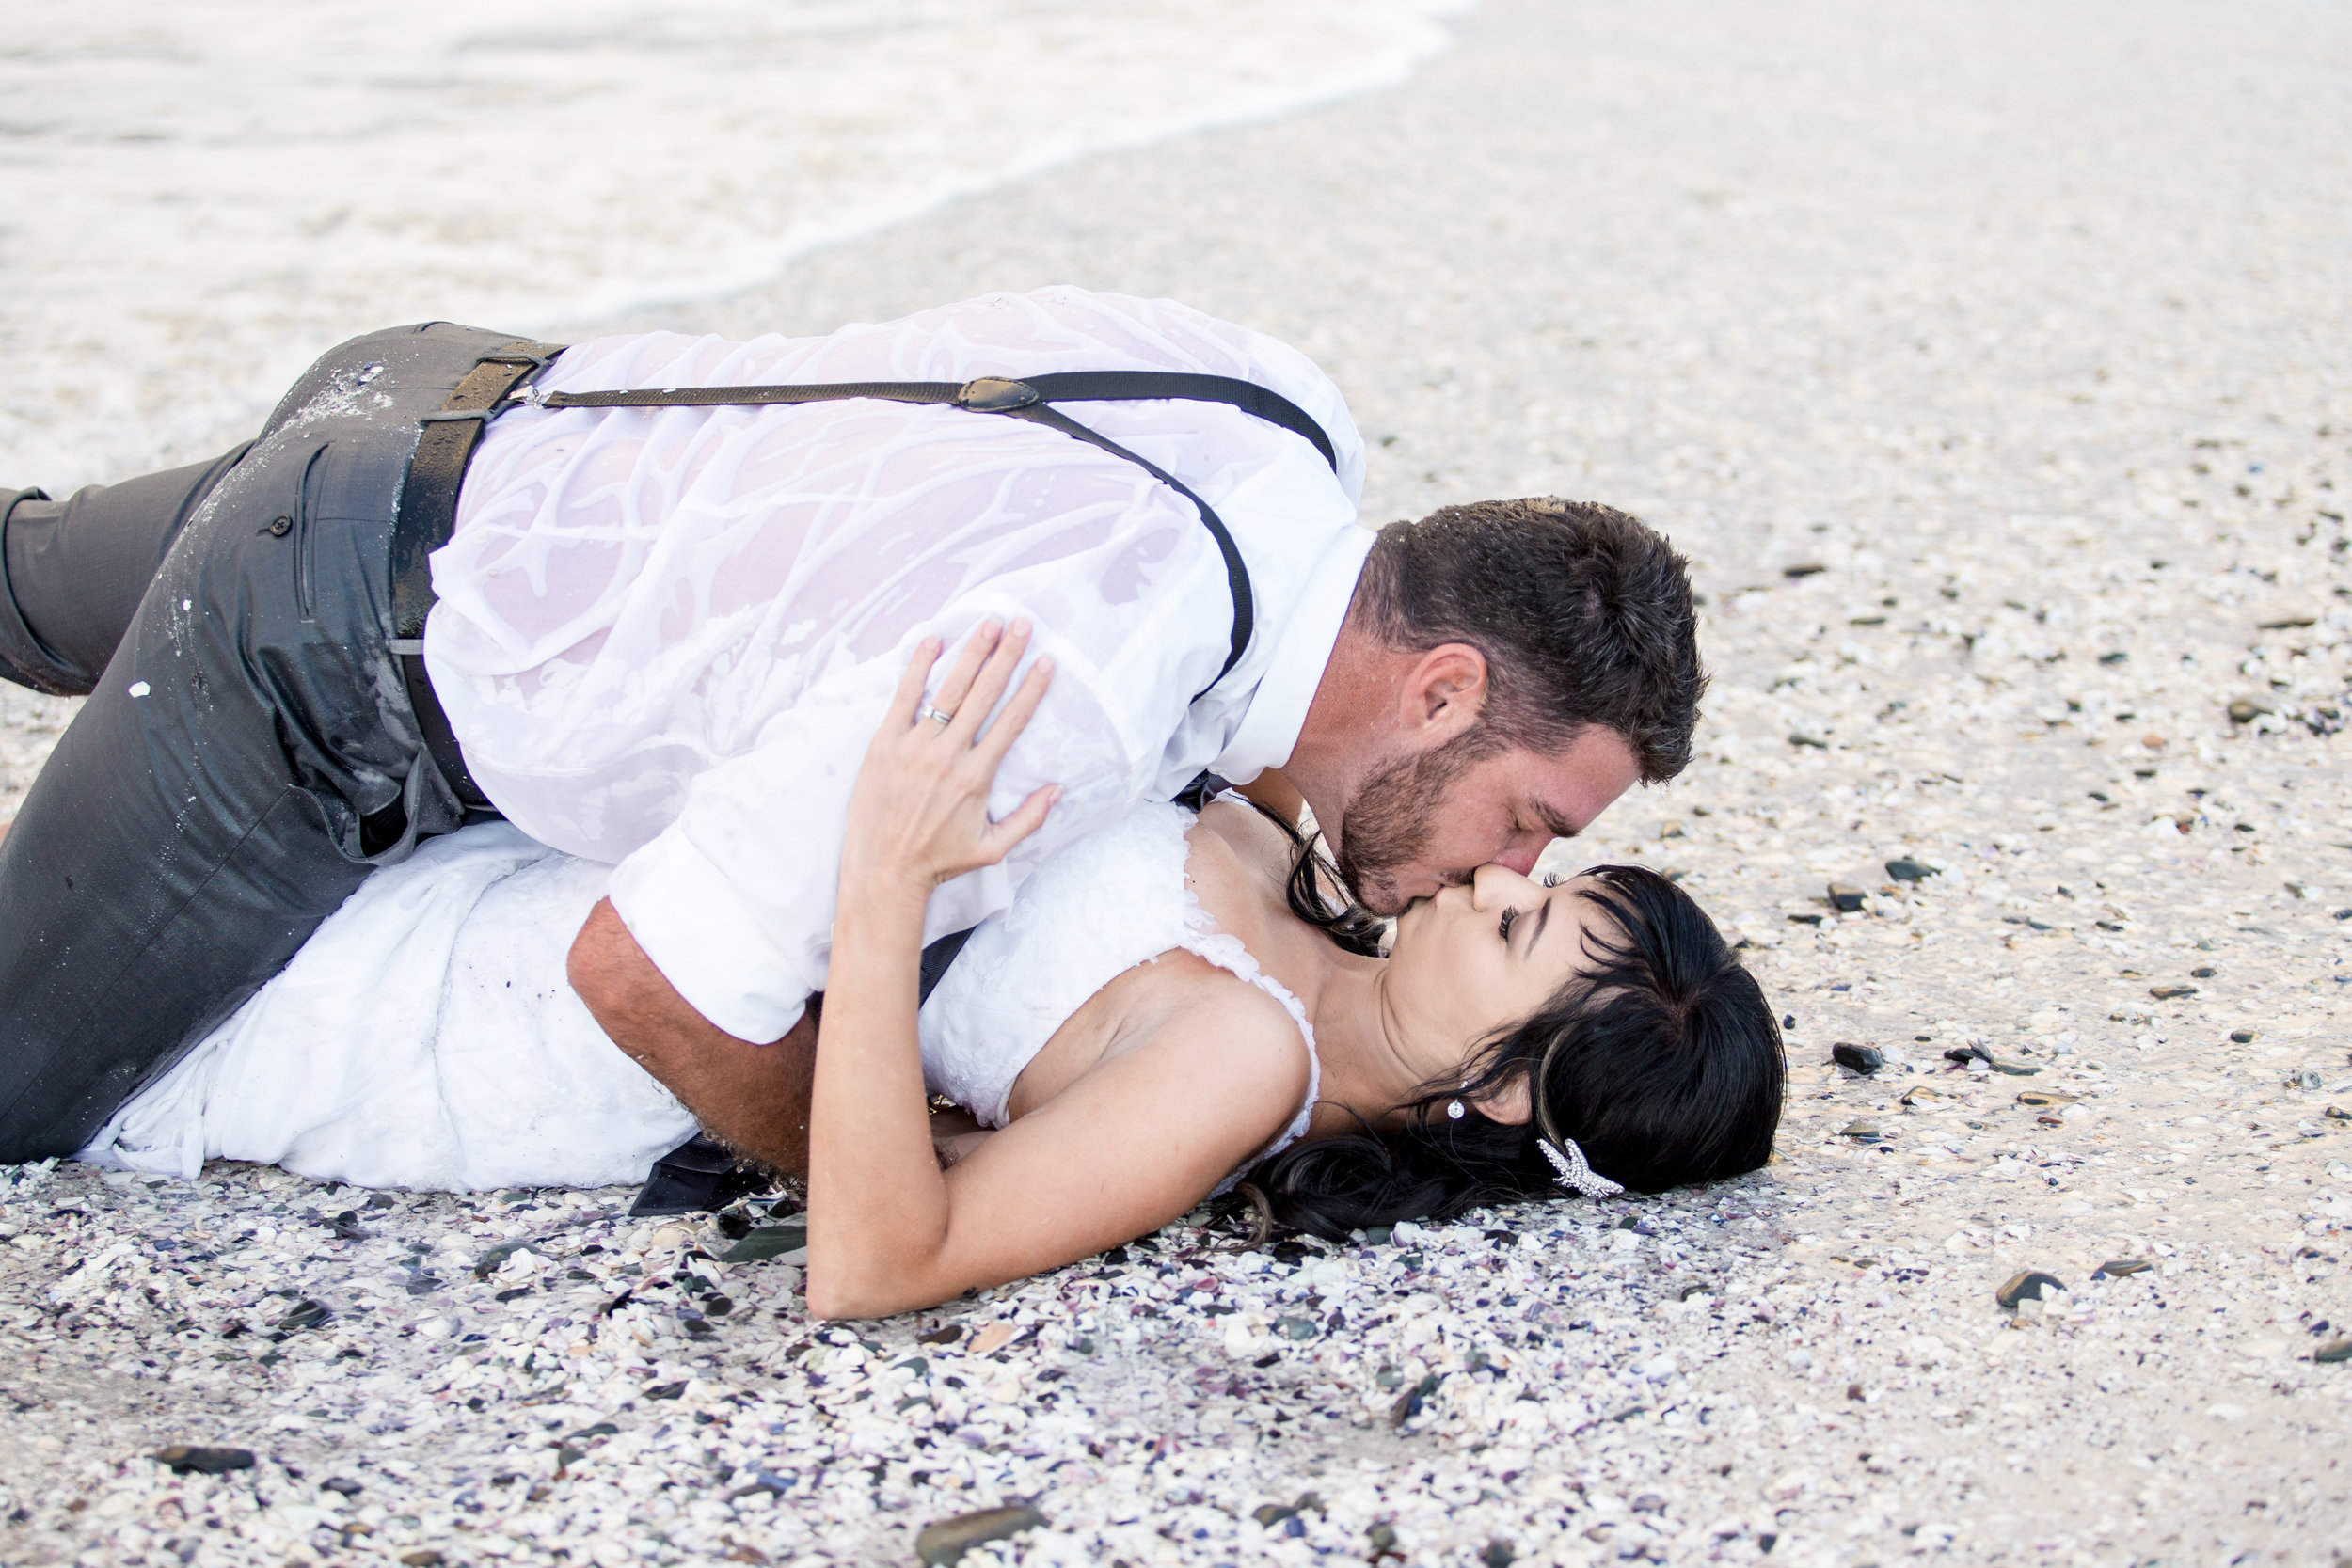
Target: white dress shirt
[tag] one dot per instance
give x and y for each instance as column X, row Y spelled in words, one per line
column 664, row 636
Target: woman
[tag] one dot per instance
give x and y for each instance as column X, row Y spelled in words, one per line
column 1167, row 1005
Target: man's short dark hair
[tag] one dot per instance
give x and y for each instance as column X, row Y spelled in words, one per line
column 1584, row 613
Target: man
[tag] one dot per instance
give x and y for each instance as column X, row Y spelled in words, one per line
column 667, row 623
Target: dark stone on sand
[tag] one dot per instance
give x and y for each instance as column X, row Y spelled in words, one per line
column 1966, row 1053
column 2016, row 1070
column 1408, row 1404
column 1802, row 569
column 2117, row 1268
column 422, row 1284
column 949, row 1538
column 2335, row 1350
column 305, row 1314
column 1862, row 1131
column 1788, row 1020
column 2046, row 1097
column 2172, row 994
column 1498, row 1554
column 2203, row 972
column 187, row 1459
column 1902, row 868
column 665, row 1390
column 948, row 1334
column 2245, row 710
column 343, row 1485
column 766, row 1242
column 734, row 1225
column 423, row 1557
column 487, row 1264
column 2028, row 1286
column 378, row 1200
column 1798, row 738
column 2242, row 1036
column 1845, row 897
column 1857, row 1058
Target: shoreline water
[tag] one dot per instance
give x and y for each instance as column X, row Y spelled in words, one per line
column 209, row 198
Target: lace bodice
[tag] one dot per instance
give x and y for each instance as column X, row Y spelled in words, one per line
column 1101, row 907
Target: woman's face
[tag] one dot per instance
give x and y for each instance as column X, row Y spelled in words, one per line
column 1474, row 959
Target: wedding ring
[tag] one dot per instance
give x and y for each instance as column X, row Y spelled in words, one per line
column 942, row 718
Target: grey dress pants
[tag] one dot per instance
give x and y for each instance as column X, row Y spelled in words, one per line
column 248, row 754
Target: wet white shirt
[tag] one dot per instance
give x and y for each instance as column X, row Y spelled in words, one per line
column 666, row 635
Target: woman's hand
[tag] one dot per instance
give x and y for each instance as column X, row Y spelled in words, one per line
column 918, row 814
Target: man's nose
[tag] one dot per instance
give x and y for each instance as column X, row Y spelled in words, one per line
column 1520, row 858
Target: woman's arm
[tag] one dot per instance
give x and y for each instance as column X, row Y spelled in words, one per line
column 917, row 816
column 1132, row 1143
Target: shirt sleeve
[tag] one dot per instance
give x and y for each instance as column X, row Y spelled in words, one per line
column 734, row 901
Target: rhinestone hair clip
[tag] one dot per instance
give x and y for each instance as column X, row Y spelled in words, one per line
column 1568, row 1160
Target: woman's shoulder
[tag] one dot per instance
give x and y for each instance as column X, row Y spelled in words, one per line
column 1227, row 1026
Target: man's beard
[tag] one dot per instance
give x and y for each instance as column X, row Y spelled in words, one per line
column 1395, row 815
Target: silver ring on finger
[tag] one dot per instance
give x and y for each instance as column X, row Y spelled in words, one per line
column 942, row 717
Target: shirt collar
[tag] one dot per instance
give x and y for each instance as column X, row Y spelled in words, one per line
column 1268, row 732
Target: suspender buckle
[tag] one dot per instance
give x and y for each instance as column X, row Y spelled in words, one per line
column 994, row 394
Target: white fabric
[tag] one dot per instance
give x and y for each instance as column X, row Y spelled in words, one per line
column 666, row 635
column 424, row 1037
column 1116, row 899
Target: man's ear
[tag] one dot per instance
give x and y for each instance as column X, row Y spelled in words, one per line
column 1507, row 1105
column 1444, row 692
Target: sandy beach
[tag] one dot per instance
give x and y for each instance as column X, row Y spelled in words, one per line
column 1989, row 363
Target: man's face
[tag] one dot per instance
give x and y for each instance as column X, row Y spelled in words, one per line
column 1429, row 819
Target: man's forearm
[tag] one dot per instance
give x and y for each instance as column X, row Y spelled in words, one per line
column 753, row 1097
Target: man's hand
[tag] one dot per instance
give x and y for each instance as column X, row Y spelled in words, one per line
column 753, row 1097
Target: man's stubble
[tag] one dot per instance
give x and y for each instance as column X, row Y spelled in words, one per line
column 1388, row 826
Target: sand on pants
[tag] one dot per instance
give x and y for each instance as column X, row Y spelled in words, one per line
column 1988, row 361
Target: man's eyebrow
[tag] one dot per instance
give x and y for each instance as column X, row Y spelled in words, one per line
column 1543, row 918
column 1553, row 822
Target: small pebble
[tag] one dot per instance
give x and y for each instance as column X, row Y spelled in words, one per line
column 1857, row 1058
column 2334, row 1351
column 1845, row 897
column 2028, row 1286
column 188, row 1459
column 1902, row 868
column 2116, row 1268
column 947, row 1541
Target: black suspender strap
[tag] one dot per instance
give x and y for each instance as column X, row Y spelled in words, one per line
column 427, row 516
column 428, row 508
column 1031, row 398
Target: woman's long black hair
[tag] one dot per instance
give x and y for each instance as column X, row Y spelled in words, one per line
column 1663, row 1061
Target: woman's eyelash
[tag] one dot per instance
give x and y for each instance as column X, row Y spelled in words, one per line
column 1551, row 879
column 1509, row 916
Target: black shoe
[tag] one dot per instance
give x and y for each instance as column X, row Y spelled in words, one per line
column 696, row 1177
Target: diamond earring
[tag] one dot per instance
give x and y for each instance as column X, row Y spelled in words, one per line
column 1454, row 1109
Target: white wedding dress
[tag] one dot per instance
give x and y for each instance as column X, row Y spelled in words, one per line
column 425, row 1037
